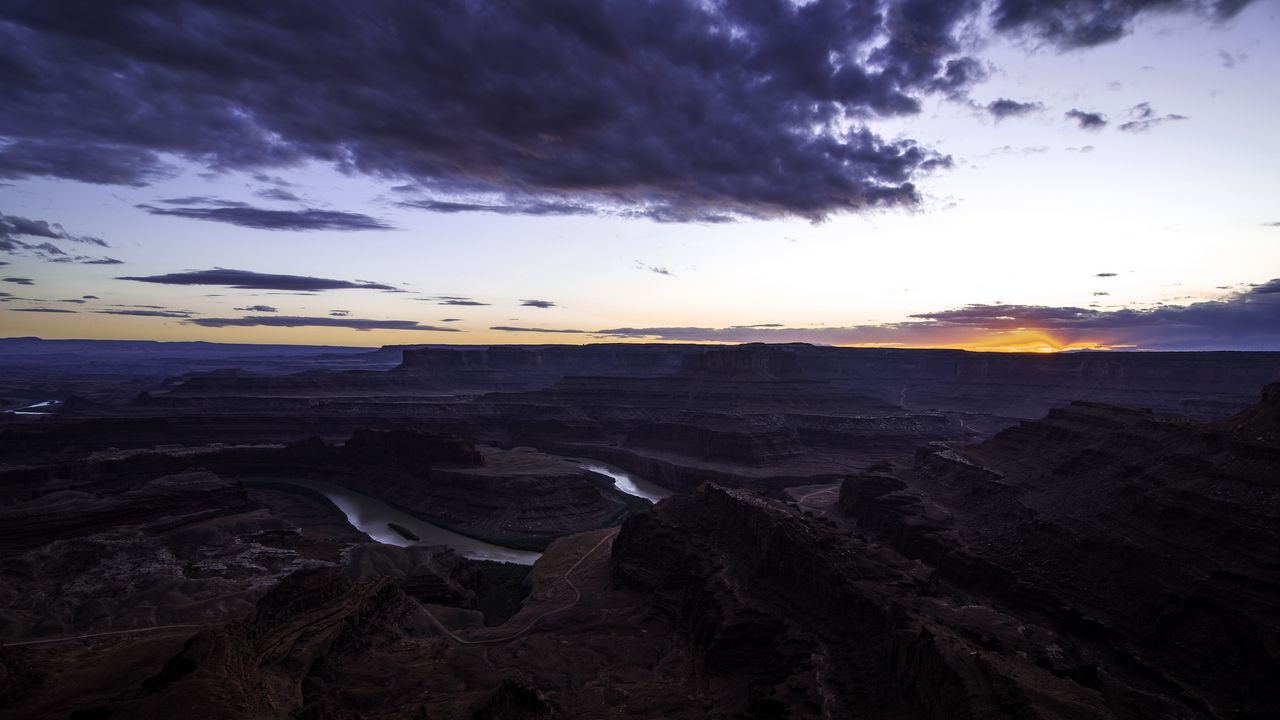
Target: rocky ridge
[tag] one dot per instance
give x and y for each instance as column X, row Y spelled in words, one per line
column 1153, row 545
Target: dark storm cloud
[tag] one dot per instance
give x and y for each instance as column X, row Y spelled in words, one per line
column 147, row 313
column 90, row 297
column 334, row 322
column 1006, row 108
column 1105, row 275
column 41, row 310
column 249, row 280
column 75, row 301
column 264, row 219
column 1087, row 120
column 683, row 111
column 544, row 304
column 101, row 261
column 509, row 328
column 1144, row 117
column 106, row 164
column 461, row 302
column 19, row 281
column 451, row 320
column 1084, row 24
column 257, row 308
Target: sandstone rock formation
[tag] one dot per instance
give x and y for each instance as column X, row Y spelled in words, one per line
column 1153, row 547
column 1097, row 561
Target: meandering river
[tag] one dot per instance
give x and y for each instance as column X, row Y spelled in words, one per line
column 628, row 483
column 373, row 517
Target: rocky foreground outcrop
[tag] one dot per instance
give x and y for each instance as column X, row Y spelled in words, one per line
column 315, row 629
column 191, row 547
column 808, row 622
column 1153, row 547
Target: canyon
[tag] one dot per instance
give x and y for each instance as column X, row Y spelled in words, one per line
column 839, row 533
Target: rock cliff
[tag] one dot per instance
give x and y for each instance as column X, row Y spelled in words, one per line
column 811, row 623
column 1153, row 546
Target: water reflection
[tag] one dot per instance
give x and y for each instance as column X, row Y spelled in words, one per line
column 372, row 517
column 628, row 483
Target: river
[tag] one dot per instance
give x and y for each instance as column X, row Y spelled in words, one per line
column 48, row 407
column 373, row 517
column 628, row 483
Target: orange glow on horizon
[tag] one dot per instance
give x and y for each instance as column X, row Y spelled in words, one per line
column 88, row 326
column 1029, row 341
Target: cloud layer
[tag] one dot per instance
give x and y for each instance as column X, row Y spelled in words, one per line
column 674, row 110
column 282, row 321
column 39, row 233
column 1245, row 320
column 264, row 219
column 249, row 280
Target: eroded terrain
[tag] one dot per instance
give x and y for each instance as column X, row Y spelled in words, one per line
column 881, row 534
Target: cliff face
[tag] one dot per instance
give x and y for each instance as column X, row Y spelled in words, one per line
column 413, row 449
column 811, row 622
column 1010, row 384
column 725, row 439
column 1152, row 545
column 519, row 499
column 517, row 367
column 746, row 362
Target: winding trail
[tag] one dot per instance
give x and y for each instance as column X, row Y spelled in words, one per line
column 48, row 641
column 577, row 596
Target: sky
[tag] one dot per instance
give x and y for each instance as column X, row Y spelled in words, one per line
column 1002, row 175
